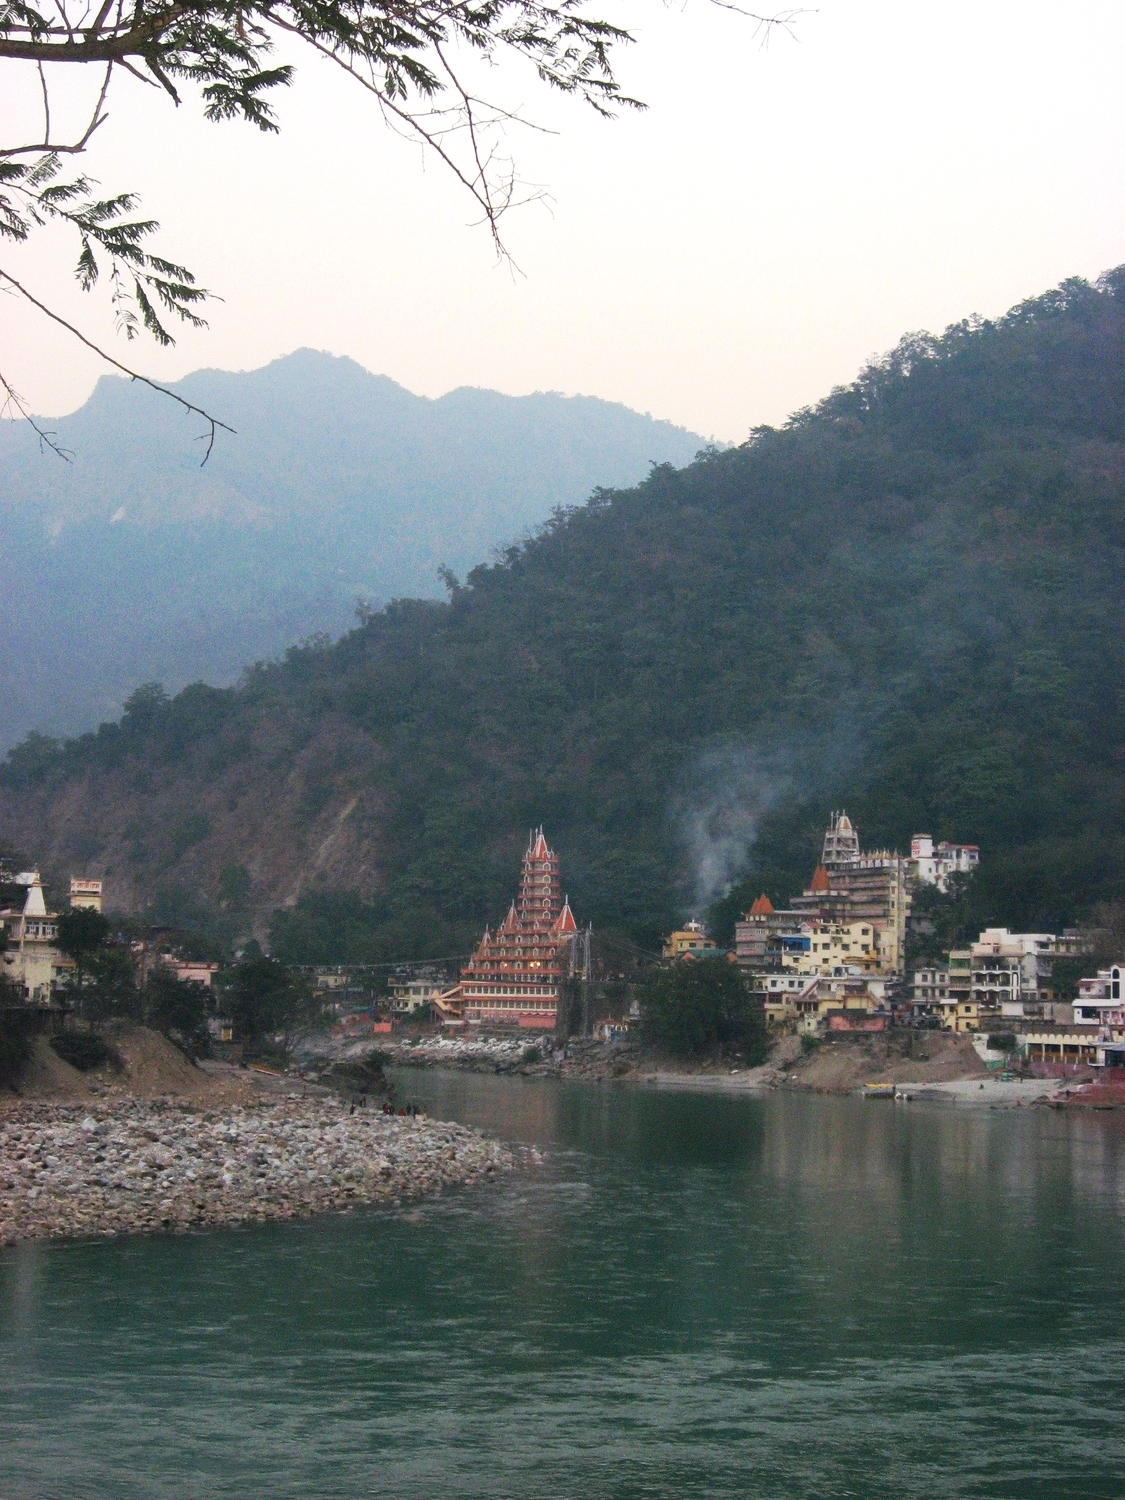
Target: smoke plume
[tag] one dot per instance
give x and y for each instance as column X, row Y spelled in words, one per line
column 729, row 789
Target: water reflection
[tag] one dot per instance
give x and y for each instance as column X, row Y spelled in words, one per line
column 691, row 1295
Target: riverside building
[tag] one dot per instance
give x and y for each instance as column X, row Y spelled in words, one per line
column 515, row 975
column 32, row 960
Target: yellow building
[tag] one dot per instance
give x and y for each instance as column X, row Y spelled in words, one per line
column 689, row 939
column 966, row 1014
column 807, row 998
column 787, row 998
column 833, row 947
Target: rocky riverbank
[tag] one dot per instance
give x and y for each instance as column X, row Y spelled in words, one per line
column 132, row 1166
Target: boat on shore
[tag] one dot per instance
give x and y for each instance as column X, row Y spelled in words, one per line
column 878, row 1090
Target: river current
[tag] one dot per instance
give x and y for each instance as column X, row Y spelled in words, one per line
column 691, row 1295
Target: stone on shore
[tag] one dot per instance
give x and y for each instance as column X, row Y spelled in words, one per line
column 132, row 1166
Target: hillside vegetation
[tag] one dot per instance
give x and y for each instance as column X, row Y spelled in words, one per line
column 904, row 602
column 133, row 562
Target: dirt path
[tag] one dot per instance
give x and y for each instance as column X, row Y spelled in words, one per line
column 843, row 1064
column 153, row 1069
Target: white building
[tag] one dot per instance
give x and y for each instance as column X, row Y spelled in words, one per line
column 933, row 864
column 32, row 959
column 1100, row 1001
column 1012, row 970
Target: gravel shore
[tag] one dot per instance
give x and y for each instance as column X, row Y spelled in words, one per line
column 132, row 1166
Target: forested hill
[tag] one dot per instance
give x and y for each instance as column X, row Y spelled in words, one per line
column 133, row 562
column 905, row 602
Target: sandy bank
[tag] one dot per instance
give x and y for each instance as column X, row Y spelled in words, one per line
column 984, row 1093
column 151, row 1068
column 839, row 1064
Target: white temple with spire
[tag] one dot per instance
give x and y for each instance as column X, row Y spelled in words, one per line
column 32, row 960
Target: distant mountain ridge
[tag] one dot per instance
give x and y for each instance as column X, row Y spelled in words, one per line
column 133, row 563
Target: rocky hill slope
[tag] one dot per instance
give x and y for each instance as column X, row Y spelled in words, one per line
column 904, row 602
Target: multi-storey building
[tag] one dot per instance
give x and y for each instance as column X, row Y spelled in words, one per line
column 1012, row 970
column 933, row 864
column 413, row 992
column 764, row 935
column 32, row 958
column 851, row 886
column 514, row 977
column 832, row 948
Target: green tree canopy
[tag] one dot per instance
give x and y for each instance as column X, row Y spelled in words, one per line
column 264, row 997
column 700, row 1006
column 82, row 932
column 177, row 1008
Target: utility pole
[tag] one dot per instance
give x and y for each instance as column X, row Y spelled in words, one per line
column 586, row 975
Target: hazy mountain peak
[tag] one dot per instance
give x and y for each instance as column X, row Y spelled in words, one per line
column 134, row 563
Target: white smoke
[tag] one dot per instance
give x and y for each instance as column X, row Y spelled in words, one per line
column 730, row 787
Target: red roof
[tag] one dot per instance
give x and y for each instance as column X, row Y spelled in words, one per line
column 763, row 907
column 565, row 922
column 820, row 879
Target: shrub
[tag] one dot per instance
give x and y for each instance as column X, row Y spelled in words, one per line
column 84, row 1050
column 1001, row 1041
column 532, row 1055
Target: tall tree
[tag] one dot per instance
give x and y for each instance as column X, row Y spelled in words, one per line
column 265, row 998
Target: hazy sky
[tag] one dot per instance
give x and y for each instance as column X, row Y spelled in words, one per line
column 776, row 217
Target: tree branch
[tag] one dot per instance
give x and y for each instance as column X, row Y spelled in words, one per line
column 96, row 119
column 13, row 401
column 213, row 422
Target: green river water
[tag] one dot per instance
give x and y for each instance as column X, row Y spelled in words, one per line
column 691, row 1295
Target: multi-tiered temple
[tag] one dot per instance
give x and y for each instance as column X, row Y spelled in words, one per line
column 514, row 976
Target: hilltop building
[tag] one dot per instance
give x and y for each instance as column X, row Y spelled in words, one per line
column 85, row 895
column 850, row 886
column 515, row 975
column 933, row 864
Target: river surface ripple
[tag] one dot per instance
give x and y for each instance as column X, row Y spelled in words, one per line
column 778, row 1296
